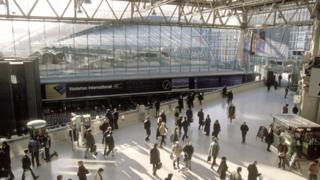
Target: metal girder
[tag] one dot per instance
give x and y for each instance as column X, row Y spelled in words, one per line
column 213, row 13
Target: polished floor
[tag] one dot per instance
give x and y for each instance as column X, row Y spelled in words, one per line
column 131, row 160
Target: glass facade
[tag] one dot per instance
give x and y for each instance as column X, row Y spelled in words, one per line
column 121, row 49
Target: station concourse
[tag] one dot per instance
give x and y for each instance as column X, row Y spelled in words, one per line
column 83, row 82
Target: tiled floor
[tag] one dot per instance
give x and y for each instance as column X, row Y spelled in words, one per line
column 132, row 157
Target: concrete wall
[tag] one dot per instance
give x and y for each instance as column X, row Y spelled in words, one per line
column 130, row 117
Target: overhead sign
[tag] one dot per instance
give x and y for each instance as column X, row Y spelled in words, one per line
column 314, row 89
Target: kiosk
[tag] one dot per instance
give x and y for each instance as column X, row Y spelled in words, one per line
column 37, row 128
column 298, row 133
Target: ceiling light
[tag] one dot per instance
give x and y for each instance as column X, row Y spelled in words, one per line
column 154, row 13
column 87, row 1
column 79, row 11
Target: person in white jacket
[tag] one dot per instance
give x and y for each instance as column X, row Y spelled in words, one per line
column 176, row 153
column 99, row 174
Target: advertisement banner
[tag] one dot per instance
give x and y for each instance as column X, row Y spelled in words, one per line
column 55, row 91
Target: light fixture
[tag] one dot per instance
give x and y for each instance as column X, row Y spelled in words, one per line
column 154, row 13
column 87, row 1
column 79, row 10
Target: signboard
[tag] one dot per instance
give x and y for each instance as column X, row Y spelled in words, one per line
column 180, row 83
column 231, row 80
column 314, row 89
column 207, row 82
column 55, row 91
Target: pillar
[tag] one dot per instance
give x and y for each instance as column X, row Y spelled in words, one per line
column 310, row 107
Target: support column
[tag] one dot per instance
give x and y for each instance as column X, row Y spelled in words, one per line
column 243, row 54
column 310, row 107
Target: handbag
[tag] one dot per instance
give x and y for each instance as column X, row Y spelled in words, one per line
column 209, row 158
column 159, row 165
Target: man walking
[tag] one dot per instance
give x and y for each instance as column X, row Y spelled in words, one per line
column 189, row 115
column 90, row 143
column 154, row 159
column 34, row 147
column 201, row 118
column 6, row 149
column 116, row 118
column 147, row 126
column 244, row 129
column 26, row 165
column 188, row 152
column 185, row 125
column 47, row 146
column 286, row 92
column 253, row 173
column 282, row 154
column 157, row 106
column 109, row 142
column 214, row 151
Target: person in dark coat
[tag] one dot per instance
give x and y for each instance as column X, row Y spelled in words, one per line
column 109, row 142
column 154, row 158
column 224, row 92
column 163, row 117
column 185, row 126
column 180, row 103
column 286, row 92
column 34, row 147
column 279, row 79
column 157, row 106
column 169, row 177
column 175, row 135
column 285, row 109
column 179, row 124
column 26, row 165
column 216, row 129
column 109, row 115
column 253, row 173
column 295, row 109
column 200, row 97
column 244, row 129
column 90, row 142
column 189, row 115
column 82, row 171
column 201, row 118
column 282, row 154
column 229, row 97
column 47, row 146
column 223, row 168
column 115, row 118
column 104, row 126
column 207, row 124
column 188, row 152
column 147, row 128
column 269, row 139
column 3, row 164
column 6, row 149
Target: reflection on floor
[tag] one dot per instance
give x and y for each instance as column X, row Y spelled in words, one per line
column 131, row 160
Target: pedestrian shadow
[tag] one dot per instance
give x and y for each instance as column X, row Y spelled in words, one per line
column 135, row 169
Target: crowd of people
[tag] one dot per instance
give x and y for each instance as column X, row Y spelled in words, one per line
column 182, row 149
